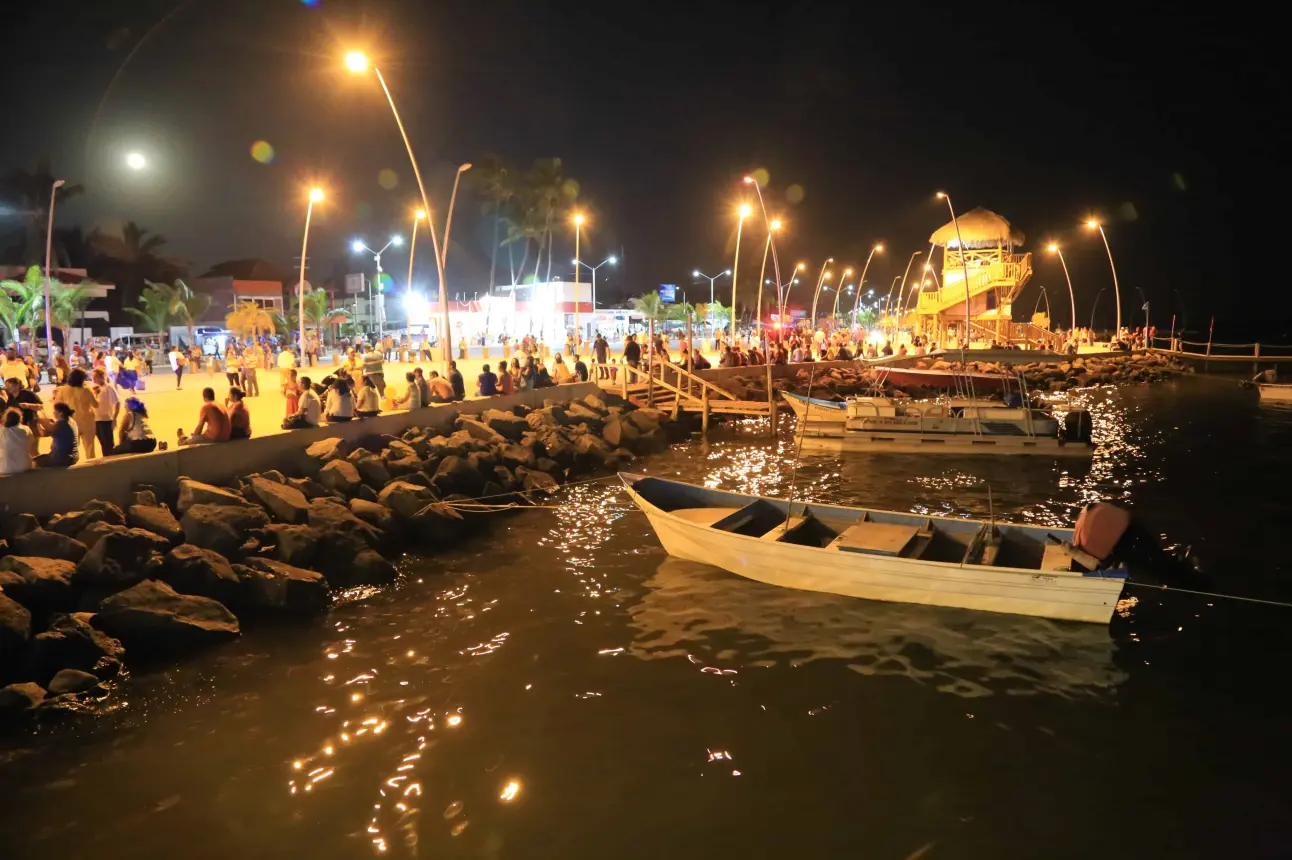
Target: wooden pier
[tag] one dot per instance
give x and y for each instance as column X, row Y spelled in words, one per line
column 664, row 385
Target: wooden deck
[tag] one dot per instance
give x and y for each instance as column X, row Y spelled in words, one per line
column 673, row 388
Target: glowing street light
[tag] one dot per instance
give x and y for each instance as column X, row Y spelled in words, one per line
column 839, row 292
column 698, row 274
column 357, row 62
column 964, row 265
column 316, row 196
column 453, row 201
column 1117, row 292
column 578, row 232
column 418, row 217
column 776, row 262
column 136, row 161
column 612, row 260
column 817, row 292
column 49, row 253
column 772, row 227
column 357, row 246
column 1055, row 249
column 877, row 249
column 744, row 212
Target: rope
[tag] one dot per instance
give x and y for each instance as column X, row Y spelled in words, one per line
column 1280, row 603
column 802, row 432
column 475, row 506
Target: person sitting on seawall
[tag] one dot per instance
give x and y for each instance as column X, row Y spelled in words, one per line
column 487, row 383
column 136, row 436
column 212, row 423
column 340, row 403
column 506, row 382
column 309, row 412
column 64, row 448
column 580, row 370
column 83, row 404
column 239, row 417
column 455, row 380
column 412, row 398
column 542, row 379
column 441, row 390
column 15, row 444
column 422, row 385
column 366, row 402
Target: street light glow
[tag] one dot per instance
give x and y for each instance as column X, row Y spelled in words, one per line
column 316, row 194
column 696, row 273
column 879, row 248
column 776, row 223
column 578, row 218
column 1053, row 248
column 942, row 195
column 614, row 261
column 136, row 161
column 1092, row 224
column 420, row 214
column 396, row 240
column 356, row 61
column 356, row 246
column 744, row 210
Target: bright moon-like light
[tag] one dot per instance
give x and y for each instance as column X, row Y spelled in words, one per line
column 136, row 161
column 356, row 61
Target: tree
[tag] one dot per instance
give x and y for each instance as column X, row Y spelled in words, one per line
column 132, row 257
column 319, row 312
column 650, row 306
column 496, row 183
column 680, row 311
column 867, row 318
column 67, row 306
column 189, row 306
column 29, row 190
column 714, row 314
column 160, row 305
column 249, row 319
column 22, row 304
column 550, row 195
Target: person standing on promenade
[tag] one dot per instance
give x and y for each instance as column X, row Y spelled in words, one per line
column 374, row 368
column 177, row 364
column 81, row 404
column 250, row 364
column 106, row 412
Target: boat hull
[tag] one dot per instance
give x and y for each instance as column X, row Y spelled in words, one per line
column 1066, row 597
column 912, row 442
column 814, row 410
column 1276, row 393
column 948, row 379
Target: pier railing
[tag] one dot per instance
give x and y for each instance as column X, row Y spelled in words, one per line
column 1223, row 351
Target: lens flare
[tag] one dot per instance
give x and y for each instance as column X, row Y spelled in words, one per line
column 388, row 179
column 262, row 151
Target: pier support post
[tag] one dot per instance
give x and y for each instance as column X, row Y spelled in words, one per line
column 704, row 404
column 1256, row 354
column 771, row 404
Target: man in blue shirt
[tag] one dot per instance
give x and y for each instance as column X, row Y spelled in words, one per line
column 487, row 383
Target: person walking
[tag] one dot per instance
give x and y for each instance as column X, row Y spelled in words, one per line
column 177, row 364
column 374, row 368
column 82, row 405
column 250, row 364
column 106, row 412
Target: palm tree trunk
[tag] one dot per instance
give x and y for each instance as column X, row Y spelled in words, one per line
column 539, row 258
column 493, row 257
column 550, row 239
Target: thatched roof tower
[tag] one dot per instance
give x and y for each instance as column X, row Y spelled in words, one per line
column 979, row 228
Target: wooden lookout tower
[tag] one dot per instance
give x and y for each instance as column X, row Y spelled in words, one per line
column 996, row 276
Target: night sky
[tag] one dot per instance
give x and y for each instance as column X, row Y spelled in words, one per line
column 1165, row 123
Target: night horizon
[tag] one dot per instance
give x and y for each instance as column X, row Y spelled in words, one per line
column 658, row 121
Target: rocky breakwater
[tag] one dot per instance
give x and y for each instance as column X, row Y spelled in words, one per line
column 184, row 567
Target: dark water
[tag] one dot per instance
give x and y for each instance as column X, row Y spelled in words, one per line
column 561, row 688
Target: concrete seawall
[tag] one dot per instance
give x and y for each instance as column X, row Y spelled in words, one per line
column 44, row 492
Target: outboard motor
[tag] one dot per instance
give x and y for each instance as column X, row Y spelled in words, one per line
column 1113, row 536
column 1077, row 426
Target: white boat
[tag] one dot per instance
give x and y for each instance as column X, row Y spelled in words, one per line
column 881, row 555
column 1276, row 392
column 962, row 426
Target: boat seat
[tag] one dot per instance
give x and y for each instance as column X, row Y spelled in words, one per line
column 753, row 520
column 703, row 516
column 874, row 538
column 779, row 531
column 1057, row 557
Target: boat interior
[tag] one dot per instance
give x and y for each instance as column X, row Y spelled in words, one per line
column 868, row 532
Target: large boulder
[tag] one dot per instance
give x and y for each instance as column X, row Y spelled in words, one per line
column 13, row 525
column 404, row 499
column 94, row 532
column 72, row 681
column 455, row 475
column 334, row 519
column 111, row 513
column 221, row 528
column 480, row 430
column 152, row 617
column 296, row 545
column 277, row 587
column 374, row 514
column 340, row 476
column 190, row 569
column 366, row 568
column 73, row 523
column 71, row 642
column 549, row 416
column 156, row 519
column 310, row 488
column 540, row 482
column 122, row 557
column 327, row 450
column 517, row 455
column 46, row 544
column 46, row 582
column 372, row 470
column 581, row 413
column 286, row 504
column 20, row 700
column 595, row 402
column 619, row 432
column 438, row 523
column 196, row 493
column 648, row 420
column 15, row 631
column 506, row 424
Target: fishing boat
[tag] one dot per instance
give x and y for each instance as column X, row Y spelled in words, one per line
column 1275, row 392
column 882, row 555
column 956, row 426
column 955, row 379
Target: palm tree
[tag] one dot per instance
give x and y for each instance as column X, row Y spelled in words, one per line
column 495, row 182
column 551, row 195
column 30, row 189
column 680, row 311
column 319, row 312
column 249, row 319
column 22, row 304
column 67, row 307
column 160, row 305
column 189, row 306
column 650, row 306
column 867, row 318
column 134, row 254
column 714, row 314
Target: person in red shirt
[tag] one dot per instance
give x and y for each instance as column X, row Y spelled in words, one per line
column 212, row 423
column 239, row 417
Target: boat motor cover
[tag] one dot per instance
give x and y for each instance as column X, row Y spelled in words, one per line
column 1099, row 528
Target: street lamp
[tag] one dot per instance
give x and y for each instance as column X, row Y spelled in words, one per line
column 358, row 246
column 612, row 260
column 136, row 161
column 776, row 262
column 888, row 300
column 901, row 295
column 1117, row 292
column 964, row 265
column 772, row 226
column 817, row 291
column 316, row 196
column 357, row 62
column 839, row 292
column 1094, row 308
column 49, row 253
column 876, row 249
column 1055, row 249
column 578, row 233
column 453, row 199
column 743, row 212
column 698, row 274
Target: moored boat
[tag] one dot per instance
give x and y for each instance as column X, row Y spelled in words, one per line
column 882, row 555
column 1275, row 392
column 954, row 379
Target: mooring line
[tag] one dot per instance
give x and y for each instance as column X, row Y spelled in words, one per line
column 1280, row 603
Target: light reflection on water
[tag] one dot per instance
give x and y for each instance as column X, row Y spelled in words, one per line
column 561, row 687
